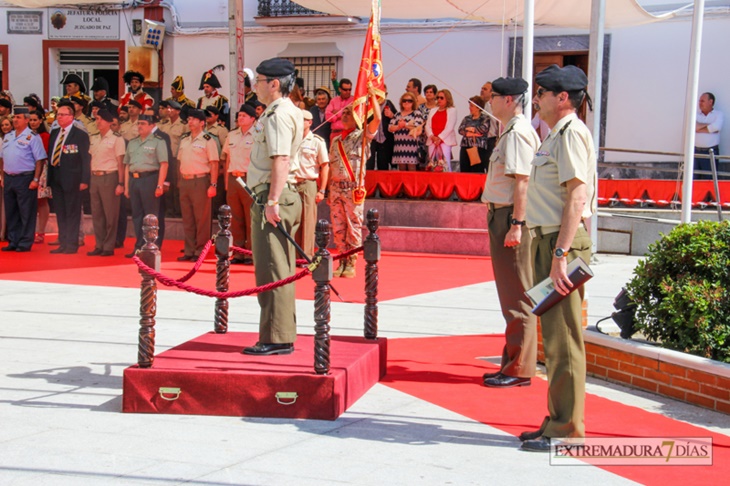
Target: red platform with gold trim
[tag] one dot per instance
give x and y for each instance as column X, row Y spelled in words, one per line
column 209, row 376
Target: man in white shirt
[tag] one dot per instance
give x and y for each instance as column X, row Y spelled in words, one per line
column 707, row 128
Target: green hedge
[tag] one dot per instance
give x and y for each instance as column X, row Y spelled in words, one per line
column 682, row 290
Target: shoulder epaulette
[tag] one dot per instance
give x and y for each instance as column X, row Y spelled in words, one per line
column 207, row 136
column 317, row 136
column 562, row 130
column 158, row 136
column 117, row 134
column 33, row 132
column 184, row 135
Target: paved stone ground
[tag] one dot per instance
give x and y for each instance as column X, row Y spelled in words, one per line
column 64, row 349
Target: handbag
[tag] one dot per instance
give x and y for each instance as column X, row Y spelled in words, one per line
column 473, row 153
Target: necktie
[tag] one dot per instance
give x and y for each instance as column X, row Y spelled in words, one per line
column 56, row 159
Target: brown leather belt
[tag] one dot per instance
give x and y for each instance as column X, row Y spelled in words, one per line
column 195, row 176
column 103, row 172
column 493, row 206
column 137, row 175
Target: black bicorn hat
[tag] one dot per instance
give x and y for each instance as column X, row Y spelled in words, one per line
column 276, row 67
column 210, row 78
column 557, row 79
column 74, row 78
column 509, row 86
column 100, row 84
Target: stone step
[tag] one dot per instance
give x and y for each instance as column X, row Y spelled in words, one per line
column 457, row 241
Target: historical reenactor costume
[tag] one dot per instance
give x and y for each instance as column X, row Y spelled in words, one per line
column 212, row 97
column 100, row 88
column 177, row 90
column 134, row 80
column 75, row 87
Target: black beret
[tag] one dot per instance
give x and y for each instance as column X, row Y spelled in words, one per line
column 557, row 79
column 124, row 108
column 105, row 115
column 21, row 110
column 65, row 102
column 164, row 103
column 199, row 114
column 135, row 103
column 148, row 118
column 174, row 105
column 248, row 109
column 5, row 103
column 276, row 67
column 255, row 103
column 97, row 104
column 213, row 110
column 509, row 86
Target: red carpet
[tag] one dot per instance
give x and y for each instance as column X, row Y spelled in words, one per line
column 208, row 375
column 401, row 274
column 447, row 373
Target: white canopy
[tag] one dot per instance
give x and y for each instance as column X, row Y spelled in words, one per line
column 55, row 3
column 561, row 13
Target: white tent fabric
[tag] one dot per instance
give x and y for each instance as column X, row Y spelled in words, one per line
column 55, row 3
column 561, row 13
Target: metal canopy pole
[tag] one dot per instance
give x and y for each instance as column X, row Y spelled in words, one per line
column 528, row 46
column 232, row 58
column 595, row 85
column 690, row 108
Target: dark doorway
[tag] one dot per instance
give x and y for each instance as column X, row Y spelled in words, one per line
column 112, row 77
column 543, row 60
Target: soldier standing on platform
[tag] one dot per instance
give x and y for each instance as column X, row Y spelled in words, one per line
column 107, row 183
column 135, row 80
column 21, row 160
column 346, row 156
column 505, row 193
column 274, row 160
column 198, row 156
column 210, row 85
column 237, row 157
column 314, row 168
column 145, row 173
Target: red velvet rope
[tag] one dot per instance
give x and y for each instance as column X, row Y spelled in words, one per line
column 243, row 251
column 198, row 264
column 164, row 280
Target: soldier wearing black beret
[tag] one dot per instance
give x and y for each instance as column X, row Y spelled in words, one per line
column 560, row 198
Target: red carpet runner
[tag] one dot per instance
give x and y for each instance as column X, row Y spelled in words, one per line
column 447, row 373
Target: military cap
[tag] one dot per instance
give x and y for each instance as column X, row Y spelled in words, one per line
column 199, row 114
column 21, row 110
column 65, row 102
column 148, row 118
column 174, row 105
column 97, row 104
column 248, row 109
column 6, row 103
column 130, row 75
column 124, row 108
column 276, row 67
column 213, row 110
column 307, row 115
column 100, row 84
column 105, row 115
column 509, row 86
column 557, row 79
column 255, row 103
column 210, row 78
column 135, row 103
column 74, row 78
column 178, row 83
column 164, row 104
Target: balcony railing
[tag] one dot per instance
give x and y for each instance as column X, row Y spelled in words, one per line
column 283, row 8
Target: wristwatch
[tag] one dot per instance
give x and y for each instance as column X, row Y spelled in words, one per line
column 271, row 202
column 560, row 253
column 516, row 222
column 213, row 184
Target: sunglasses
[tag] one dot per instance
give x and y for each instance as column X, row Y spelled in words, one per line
column 541, row 91
column 345, row 89
column 407, row 101
column 440, row 97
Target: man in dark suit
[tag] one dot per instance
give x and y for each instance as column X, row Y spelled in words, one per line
column 320, row 126
column 69, row 173
column 381, row 148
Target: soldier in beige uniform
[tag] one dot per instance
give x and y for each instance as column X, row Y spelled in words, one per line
column 505, row 193
column 560, row 196
column 274, row 161
column 346, row 155
column 198, row 155
column 107, row 183
column 314, row 168
column 129, row 129
column 175, row 129
column 220, row 132
column 237, row 157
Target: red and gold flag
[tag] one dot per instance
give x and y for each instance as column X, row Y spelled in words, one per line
column 371, row 70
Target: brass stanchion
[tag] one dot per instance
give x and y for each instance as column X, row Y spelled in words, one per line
column 322, row 276
column 222, row 268
column 371, row 253
column 149, row 254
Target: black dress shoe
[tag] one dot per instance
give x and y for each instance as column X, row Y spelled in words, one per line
column 70, row 251
column 534, row 434
column 9, row 248
column 119, row 245
column 486, row 376
column 22, row 250
column 185, row 258
column 504, row 381
column 237, row 261
column 94, row 252
column 58, row 250
column 264, row 349
column 107, row 253
column 542, row 444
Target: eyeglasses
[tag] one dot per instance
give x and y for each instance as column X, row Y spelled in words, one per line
column 541, row 91
column 440, row 97
column 261, row 80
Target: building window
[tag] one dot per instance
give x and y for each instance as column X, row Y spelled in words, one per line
column 283, row 8
column 316, row 72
